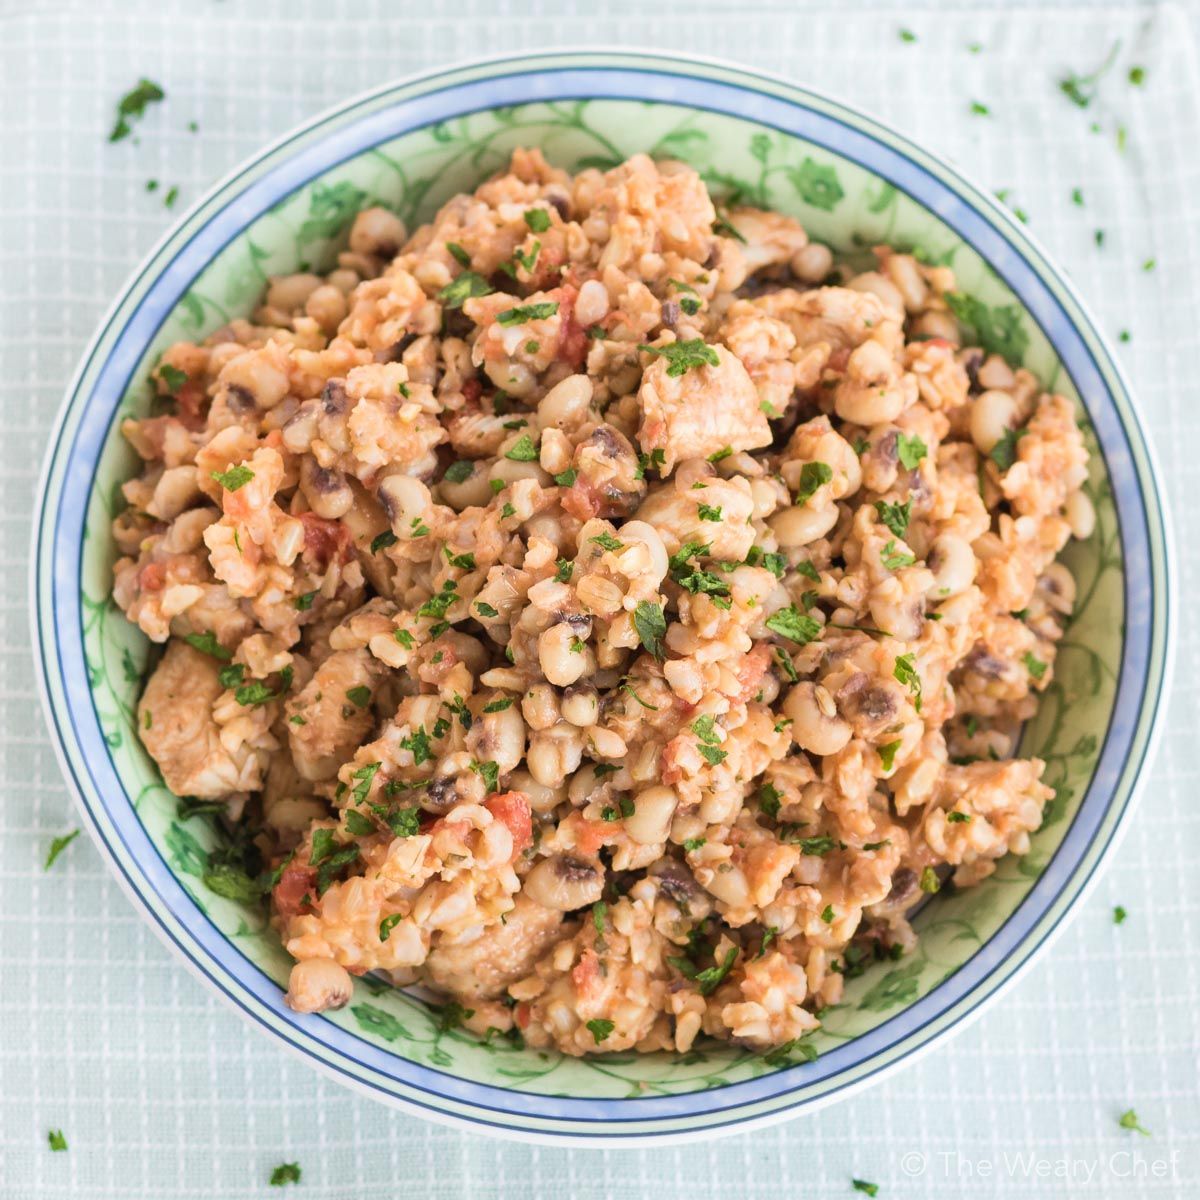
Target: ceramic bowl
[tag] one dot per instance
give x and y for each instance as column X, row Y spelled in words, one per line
column 853, row 183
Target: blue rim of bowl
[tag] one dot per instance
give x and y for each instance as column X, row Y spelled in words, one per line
column 377, row 117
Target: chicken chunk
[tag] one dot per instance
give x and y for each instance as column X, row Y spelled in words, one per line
column 331, row 726
column 484, row 964
column 178, row 729
column 704, row 410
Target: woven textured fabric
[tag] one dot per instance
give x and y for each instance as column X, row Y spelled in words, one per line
column 162, row 1091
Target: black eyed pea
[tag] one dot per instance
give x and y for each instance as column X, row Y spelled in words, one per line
column 405, row 500
column 498, row 737
column 581, row 705
column 377, row 232
column 344, row 279
column 565, row 882
column 879, row 285
column 797, row 525
column 993, row 414
column 654, row 569
column 652, row 813
column 258, row 376
column 905, row 273
column 953, row 564
column 873, row 391
column 1081, row 516
column 730, row 886
column 473, row 491
column 540, row 706
column 290, row 293
column 566, row 405
column 515, row 378
column 554, row 754
column 816, row 726
column 318, row 984
column 564, row 656
column 813, row 263
column 508, row 471
column 935, row 324
column 543, row 798
column 591, row 305
column 327, row 492
column 326, row 306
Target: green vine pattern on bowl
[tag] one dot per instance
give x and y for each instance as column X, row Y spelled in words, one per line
column 839, row 203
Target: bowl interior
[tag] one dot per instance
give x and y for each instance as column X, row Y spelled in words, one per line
column 839, row 202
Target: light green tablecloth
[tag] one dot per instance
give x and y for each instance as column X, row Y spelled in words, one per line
column 160, row 1090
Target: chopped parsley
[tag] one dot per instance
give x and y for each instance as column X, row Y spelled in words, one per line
column 681, row 357
column 57, row 846
column 358, row 824
column 207, row 643
column 910, row 450
column 868, row 1189
column 483, row 607
column 716, row 456
column 172, row 377
column 522, row 450
column 381, row 541
column 1081, row 89
column 527, row 312
column 895, row 516
column 907, row 35
column 437, row 605
column 1129, row 1120
column 600, row 1028
column 466, row 287
column 709, row 513
column 417, row 743
column 894, row 559
column 813, row 475
column 360, row 696
column 827, row 914
column 723, row 225
column 256, row 692
column 56, row 1139
column 507, row 511
column 388, row 924
column 464, row 562
column 606, row 541
column 651, row 626
column 285, row 1173
column 980, row 110
column 498, row 705
column 1077, row 197
column 791, row 623
column 1033, row 665
column 693, row 844
column 459, row 255
column 538, row 219
column 563, row 569
column 1119, row 915
column 528, row 261
column 877, row 845
column 566, row 478
column 234, row 478
column 769, row 798
column 887, row 754
column 305, row 602
column 489, row 772
column 710, row 978
column 405, row 638
column 132, row 106
column 905, row 672
column 459, row 472
column 930, row 883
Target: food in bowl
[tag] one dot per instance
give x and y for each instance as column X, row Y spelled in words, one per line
column 605, row 610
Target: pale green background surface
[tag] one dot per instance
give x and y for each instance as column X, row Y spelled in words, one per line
column 163, row 1092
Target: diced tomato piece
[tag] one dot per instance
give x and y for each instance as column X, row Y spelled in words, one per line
column 152, row 577
column 326, row 540
column 751, row 670
column 572, row 337
column 586, row 973
column 189, row 404
column 472, row 390
column 512, row 810
column 294, row 884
